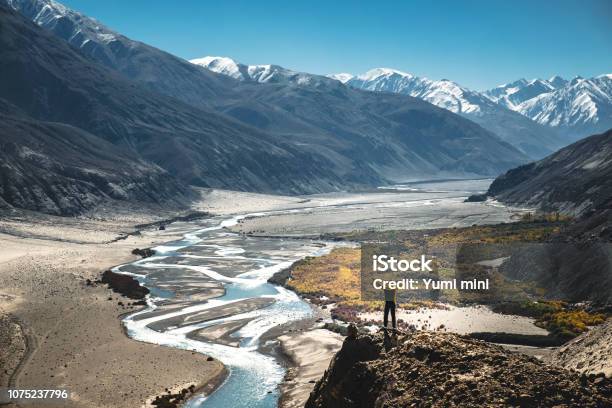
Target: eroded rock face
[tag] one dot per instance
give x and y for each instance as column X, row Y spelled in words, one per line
column 589, row 353
column 124, row 284
column 144, row 252
column 443, row 369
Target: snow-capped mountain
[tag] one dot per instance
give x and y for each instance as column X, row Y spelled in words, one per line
column 267, row 73
column 533, row 139
column 223, row 65
column 582, row 107
column 80, row 31
column 513, row 94
column 342, row 77
column 576, row 108
column 444, row 93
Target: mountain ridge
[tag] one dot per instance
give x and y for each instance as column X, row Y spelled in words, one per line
column 164, row 73
column 574, row 180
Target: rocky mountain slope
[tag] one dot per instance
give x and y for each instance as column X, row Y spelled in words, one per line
column 589, row 353
column 575, row 264
column 575, row 180
column 60, row 169
column 442, row 369
column 577, row 108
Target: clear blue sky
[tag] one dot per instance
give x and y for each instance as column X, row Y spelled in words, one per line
column 479, row 44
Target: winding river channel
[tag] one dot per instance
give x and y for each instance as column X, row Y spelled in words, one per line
column 185, row 310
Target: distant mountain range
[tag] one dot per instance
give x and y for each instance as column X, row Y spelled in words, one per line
column 531, row 138
column 573, row 109
column 513, row 94
column 577, row 108
column 192, row 126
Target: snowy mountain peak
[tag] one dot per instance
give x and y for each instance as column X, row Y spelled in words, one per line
column 216, row 61
column 269, row 73
column 540, row 82
column 518, row 83
column 264, row 73
column 229, row 67
column 576, row 80
column 557, row 81
column 513, row 94
column 383, row 72
column 443, row 93
column 578, row 107
column 222, row 65
column 51, row 14
column 342, row 77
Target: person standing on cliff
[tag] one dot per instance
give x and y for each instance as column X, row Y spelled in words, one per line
column 390, row 299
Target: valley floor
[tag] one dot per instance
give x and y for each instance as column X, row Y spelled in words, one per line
column 56, row 331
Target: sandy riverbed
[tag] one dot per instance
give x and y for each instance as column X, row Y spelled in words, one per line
column 311, row 352
column 345, row 212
